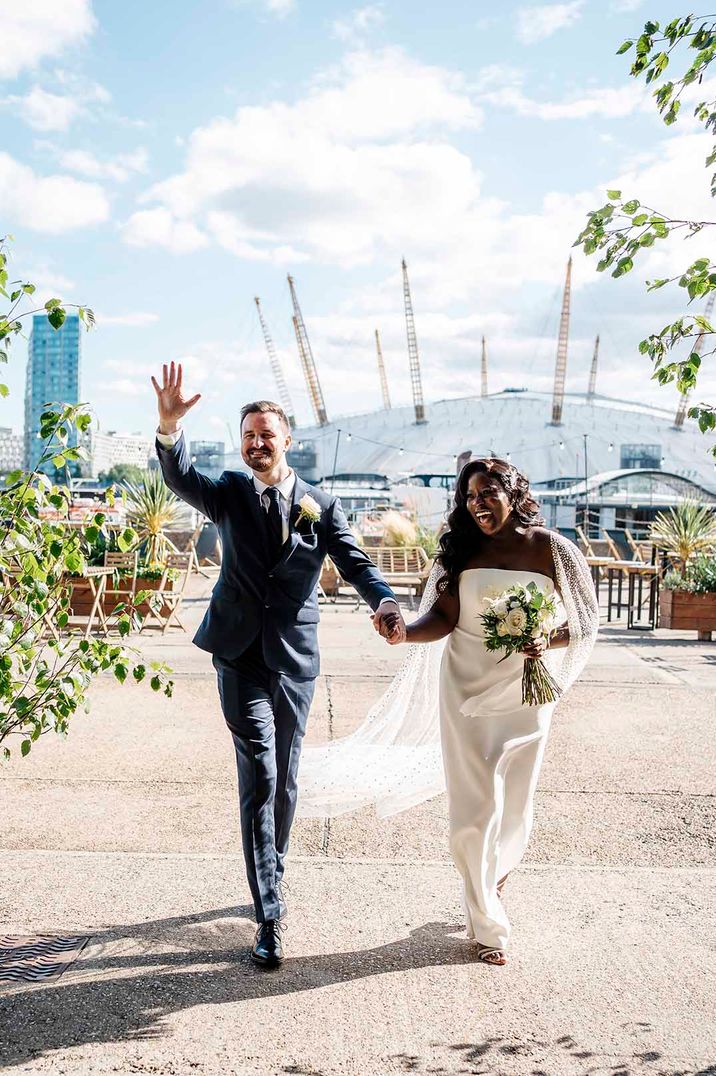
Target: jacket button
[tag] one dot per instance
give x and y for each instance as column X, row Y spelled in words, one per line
column 267, row 606
column 270, row 575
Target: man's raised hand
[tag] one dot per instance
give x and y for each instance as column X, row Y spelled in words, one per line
column 170, row 400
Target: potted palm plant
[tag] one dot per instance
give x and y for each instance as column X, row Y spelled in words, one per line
column 152, row 509
column 687, row 534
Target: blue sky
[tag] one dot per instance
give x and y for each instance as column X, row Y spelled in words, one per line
column 166, row 163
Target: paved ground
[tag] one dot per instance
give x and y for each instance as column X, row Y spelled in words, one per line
column 128, row 832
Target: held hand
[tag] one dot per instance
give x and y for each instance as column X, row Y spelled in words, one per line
column 391, row 626
column 170, row 399
column 536, row 649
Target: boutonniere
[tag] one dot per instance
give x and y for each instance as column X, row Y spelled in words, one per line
column 310, row 509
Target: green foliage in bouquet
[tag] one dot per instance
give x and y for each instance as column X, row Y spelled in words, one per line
column 517, row 618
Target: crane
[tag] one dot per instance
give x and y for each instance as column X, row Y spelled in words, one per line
column 415, row 379
column 593, row 371
column 281, row 385
column 307, row 361
column 696, row 350
column 382, row 374
column 483, row 391
column 560, row 370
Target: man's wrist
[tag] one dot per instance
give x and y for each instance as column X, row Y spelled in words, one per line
column 169, row 428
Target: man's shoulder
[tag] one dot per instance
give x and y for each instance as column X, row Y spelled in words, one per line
column 324, row 499
column 237, row 479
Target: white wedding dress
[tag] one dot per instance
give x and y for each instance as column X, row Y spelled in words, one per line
column 492, row 752
column 454, row 691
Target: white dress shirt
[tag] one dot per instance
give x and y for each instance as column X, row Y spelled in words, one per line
column 285, row 488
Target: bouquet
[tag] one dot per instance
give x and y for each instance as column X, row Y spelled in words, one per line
column 519, row 616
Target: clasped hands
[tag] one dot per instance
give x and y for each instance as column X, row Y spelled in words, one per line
column 390, row 626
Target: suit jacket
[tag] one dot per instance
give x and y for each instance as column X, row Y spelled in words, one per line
column 279, row 601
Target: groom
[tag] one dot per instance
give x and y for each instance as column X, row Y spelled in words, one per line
column 262, row 621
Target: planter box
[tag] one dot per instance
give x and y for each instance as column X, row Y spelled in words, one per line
column 82, row 599
column 682, row 611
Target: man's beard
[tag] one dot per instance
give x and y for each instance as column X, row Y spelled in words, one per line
column 260, row 462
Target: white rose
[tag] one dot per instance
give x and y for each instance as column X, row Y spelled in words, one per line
column 516, row 621
column 499, row 608
column 502, row 629
column 310, row 508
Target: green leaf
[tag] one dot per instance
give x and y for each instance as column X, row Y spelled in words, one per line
column 624, row 47
column 25, row 747
column 126, row 539
column 4, row 390
column 120, row 671
column 52, row 304
column 614, row 196
column 56, row 317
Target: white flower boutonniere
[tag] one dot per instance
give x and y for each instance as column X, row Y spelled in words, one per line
column 310, row 509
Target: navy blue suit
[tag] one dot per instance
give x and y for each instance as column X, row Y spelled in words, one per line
column 262, row 630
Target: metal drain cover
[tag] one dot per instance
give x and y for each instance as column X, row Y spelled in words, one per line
column 37, row 958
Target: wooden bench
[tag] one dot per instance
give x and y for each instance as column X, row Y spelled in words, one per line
column 403, row 566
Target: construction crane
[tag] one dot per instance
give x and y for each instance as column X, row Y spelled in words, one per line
column 560, row 371
column 593, row 371
column 307, row 361
column 280, row 380
column 696, row 350
column 415, row 380
column 381, row 372
column 483, row 391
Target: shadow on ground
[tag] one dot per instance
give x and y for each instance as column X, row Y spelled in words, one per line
column 167, row 969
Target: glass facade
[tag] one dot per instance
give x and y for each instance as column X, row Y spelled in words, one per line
column 52, row 377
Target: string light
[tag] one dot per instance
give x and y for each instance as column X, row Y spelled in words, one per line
column 561, row 444
column 611, row 446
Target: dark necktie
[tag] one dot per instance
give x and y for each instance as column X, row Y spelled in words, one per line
column 275, row 521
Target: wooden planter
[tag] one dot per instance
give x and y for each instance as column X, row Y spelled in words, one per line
column 683, row 611
column 82, row 598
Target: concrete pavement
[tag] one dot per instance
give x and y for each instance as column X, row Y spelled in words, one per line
column 128, row 832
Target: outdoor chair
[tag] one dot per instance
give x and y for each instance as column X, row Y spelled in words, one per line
column 122, row 585
column 166, row 600
column 403, row 566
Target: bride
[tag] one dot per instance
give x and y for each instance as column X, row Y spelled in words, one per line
column 456, row 693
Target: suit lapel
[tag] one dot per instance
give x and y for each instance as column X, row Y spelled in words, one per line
column 300, row 489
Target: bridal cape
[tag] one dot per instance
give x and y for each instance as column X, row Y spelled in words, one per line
column 393, row 759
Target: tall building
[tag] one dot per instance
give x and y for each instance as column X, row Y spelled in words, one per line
column 53, row 377
column 11, row 450
column 105, row 450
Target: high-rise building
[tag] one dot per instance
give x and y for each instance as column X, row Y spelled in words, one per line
column 53, row 377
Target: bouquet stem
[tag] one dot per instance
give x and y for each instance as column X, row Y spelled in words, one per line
column 538, row 687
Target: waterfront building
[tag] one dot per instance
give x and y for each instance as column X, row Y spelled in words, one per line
column 208, row 457
column 106, row 450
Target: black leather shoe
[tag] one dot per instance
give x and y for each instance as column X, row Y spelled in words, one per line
column 268, row 947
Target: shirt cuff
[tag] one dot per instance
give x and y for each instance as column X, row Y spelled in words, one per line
column 388, row 601
column 169, row 439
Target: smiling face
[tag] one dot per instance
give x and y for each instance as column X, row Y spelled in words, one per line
column 264, row 441
column 487, row 502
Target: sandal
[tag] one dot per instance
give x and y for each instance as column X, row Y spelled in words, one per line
column 489, row 955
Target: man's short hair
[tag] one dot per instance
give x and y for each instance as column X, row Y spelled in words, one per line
column 264, row 407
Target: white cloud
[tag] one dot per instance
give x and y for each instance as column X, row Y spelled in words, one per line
column 354, row 160
column 158, row 227
column 118, row 168
column 136, row 319
column 46, row 111
column 540, row 22
column 358, row 23
column 52, row 204
column 626, row 5
column 279, row 7
column 36, row 29
column 503, row 87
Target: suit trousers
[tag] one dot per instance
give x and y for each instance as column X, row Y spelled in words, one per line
column 266, row 713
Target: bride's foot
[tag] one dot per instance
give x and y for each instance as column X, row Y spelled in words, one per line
column 489, row 955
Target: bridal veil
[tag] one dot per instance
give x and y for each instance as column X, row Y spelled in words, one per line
column 393, row 759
